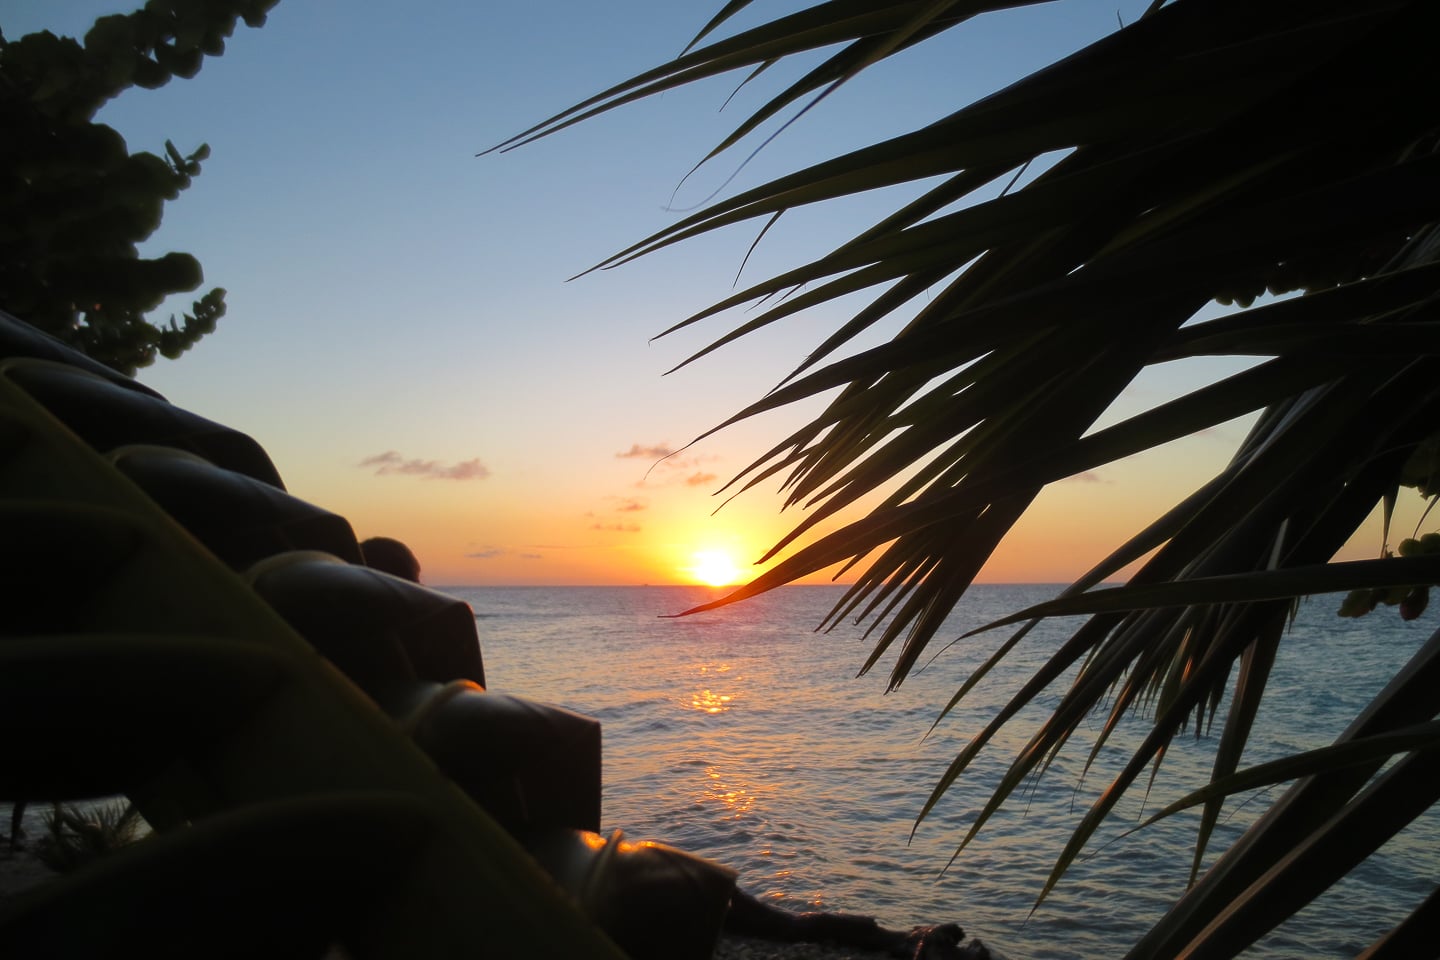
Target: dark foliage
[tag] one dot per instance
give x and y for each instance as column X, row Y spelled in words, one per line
column 75, row 203
column 1213, row 150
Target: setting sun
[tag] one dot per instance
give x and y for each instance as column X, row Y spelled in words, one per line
column 714, row 568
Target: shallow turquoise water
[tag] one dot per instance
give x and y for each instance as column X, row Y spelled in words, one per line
column 745, row 736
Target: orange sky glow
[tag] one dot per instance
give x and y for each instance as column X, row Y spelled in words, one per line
column 1073, row 525
column 402, row 336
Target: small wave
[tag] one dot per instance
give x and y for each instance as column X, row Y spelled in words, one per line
column 834, row 770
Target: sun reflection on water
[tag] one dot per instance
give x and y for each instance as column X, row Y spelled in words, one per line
column 710, row 701
column 707, row 699
column 737, row 798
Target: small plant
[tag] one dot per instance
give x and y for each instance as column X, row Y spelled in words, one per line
column 76, row 836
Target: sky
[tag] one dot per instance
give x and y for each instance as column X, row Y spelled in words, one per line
column 403, row 335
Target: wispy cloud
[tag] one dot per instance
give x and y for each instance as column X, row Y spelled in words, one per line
column 616, row 527
column 668, row 466
column 488, row 553
column 494, row 553
column 630, row 505
column 637, row 451
column 390, row 462
column 1087, row 476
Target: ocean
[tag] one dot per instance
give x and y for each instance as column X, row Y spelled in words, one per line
column 745, row 736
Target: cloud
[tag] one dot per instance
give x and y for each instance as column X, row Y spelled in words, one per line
column 489, row 553
column 668, row 466
column 657, row 452
column 391, row 462
column 628, row 505
column 616, row 527
column 494, row 553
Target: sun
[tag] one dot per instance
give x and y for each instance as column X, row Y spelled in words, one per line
column 715, row 568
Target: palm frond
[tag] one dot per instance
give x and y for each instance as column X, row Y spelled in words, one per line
column 1214, row 150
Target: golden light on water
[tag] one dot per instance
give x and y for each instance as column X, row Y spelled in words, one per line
column 711, row 702
column 707, row 698
column 736, row 797
column 718, row 688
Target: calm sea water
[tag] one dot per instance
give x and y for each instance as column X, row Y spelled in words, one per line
column 744, row 736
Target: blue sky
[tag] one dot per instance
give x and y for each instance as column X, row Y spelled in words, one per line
column 401, row 334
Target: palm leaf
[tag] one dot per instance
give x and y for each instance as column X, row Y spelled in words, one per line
column 1213, row 150
column 1365, row 750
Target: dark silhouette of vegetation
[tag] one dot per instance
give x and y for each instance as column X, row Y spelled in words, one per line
column 75, row 203
column 1064, row 235
column 291, row 815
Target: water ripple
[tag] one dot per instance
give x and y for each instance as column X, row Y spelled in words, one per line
column 743, row 736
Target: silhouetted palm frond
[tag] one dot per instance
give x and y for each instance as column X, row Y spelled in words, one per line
column 1213, row 150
